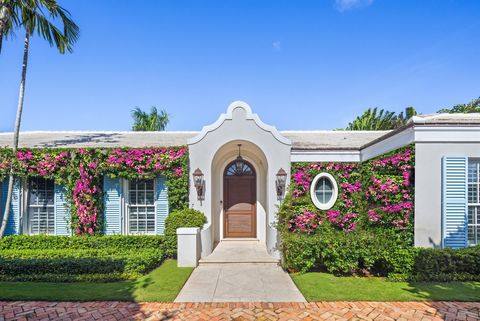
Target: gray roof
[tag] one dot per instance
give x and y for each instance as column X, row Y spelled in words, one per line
column 334, row 140
column 300, row 139
column 97, row 139
column 450, row 119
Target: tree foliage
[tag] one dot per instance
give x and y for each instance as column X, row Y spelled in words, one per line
column 153, row 121
column 471, row 107
column 381, row 119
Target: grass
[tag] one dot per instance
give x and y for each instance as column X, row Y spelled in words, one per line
column 326, row 287
column 160, row 285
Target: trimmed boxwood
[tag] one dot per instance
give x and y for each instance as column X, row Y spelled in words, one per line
column 62, row 259
column 182, row 218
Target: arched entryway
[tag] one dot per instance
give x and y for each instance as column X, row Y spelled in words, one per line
column 239, row 200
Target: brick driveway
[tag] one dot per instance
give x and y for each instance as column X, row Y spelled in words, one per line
column 30, row 310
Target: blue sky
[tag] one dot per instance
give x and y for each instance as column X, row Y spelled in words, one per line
column 300, row 64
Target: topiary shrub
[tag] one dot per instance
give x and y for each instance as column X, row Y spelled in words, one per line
column 182, row 218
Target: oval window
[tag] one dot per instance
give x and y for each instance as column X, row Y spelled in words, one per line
column 324, row 191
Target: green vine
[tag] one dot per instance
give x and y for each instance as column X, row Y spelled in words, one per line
column 81, row 172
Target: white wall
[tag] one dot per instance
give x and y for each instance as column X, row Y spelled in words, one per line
column 428, row 187
column 215, row 146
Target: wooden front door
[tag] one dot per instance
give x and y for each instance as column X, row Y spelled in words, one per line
column 239, row 195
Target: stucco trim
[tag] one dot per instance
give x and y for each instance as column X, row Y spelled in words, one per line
column 229, row 116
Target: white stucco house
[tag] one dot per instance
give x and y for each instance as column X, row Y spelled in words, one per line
column 240, row 200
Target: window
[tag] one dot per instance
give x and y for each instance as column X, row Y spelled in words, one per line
column 324, row 191
column 141, row 206
column 473, row 201
column 41, row 202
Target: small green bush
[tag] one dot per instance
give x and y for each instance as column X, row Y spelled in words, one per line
column 182, row 218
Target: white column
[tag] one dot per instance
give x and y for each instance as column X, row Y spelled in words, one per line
column 188, row 246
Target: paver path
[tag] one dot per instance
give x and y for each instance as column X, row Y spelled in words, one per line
column 239, row 311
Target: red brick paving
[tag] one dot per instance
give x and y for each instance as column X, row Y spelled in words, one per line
column 113, row 311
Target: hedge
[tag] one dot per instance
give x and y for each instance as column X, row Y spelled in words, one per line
column 41, row 242
column 447, row 265
column 355, row 253
column 66, row 259
column 377, row 253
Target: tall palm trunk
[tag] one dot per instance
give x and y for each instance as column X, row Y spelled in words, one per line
column 16, row 133
column 4, row 16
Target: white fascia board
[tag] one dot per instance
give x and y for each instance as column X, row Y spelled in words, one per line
column 388, row 144
column 325, row 156
column 431, row 134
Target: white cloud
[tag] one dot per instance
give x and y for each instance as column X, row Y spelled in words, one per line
column 276, row 45
column 345, row 5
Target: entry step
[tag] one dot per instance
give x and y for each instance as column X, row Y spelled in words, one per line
column 243, row 251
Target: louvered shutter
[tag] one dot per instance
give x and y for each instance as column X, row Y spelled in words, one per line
column 62, row 214
column 454, row 201
column 13, row 224
column 112, row 205
column 161, row 203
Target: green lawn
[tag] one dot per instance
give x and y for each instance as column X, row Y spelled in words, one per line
column 161, row 285
column 326, row 287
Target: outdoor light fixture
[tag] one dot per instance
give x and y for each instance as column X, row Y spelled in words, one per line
column 281, row 181
column 199, row 183
column 239, row 162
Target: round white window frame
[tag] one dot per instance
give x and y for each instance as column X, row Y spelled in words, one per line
column 313, row 196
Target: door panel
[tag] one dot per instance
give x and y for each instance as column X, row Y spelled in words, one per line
column 240, row 206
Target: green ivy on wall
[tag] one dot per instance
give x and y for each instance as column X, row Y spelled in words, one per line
column 81, row 171
column 375, row 194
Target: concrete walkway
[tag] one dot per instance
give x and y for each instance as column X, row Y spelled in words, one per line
column 239, row 271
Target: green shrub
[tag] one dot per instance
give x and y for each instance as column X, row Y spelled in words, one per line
column 337, row 252
column 182, row 218
column 66, row 259
column 447, row 265
column 120, row 242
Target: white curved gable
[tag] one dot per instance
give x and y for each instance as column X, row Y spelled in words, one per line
column 230, row 114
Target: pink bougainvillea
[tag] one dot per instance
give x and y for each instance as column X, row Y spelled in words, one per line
column 81, row 171
column 306, row 222
column 85, row 200
column 378, row 192
column 390, row 192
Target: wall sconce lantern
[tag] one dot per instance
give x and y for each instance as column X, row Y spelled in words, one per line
column 281, row 182
column 199, row 183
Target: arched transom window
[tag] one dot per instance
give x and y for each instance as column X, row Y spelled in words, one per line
column 239, row 167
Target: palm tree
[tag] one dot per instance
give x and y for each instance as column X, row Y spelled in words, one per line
column 153, row 121
column 29, row 15
column 372, row 119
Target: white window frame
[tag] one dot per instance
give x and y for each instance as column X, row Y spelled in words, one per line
column 25, row 209
column 313, row 195
column 126, row 209
column 475, row 206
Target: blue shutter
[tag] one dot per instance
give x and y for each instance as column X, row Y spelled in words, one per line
column 454, row 201
column 112, row 205
column 62, row 214
column 13, row 224
column 3, row 198
column 161, row 203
